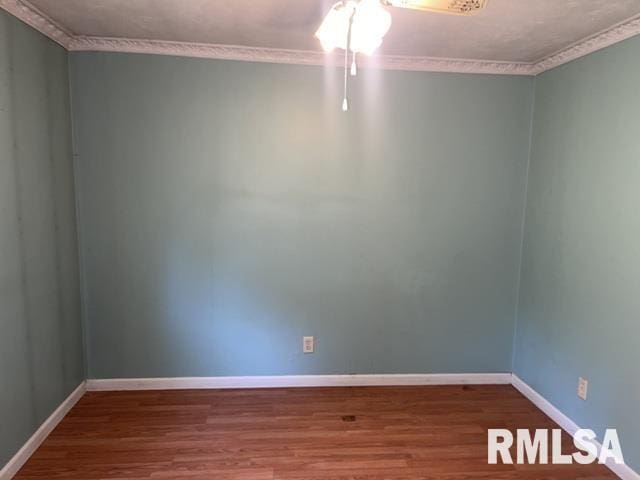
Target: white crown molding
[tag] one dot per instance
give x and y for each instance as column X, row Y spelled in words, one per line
column 622, row 31
column 447, row 65
column 38, row 20
column 29, row 14
column 20, row 458
column 294, row 57
column 198, row 50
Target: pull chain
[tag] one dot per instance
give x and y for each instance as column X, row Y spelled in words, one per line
column 345, row 102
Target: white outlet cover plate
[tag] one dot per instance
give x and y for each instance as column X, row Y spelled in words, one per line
column 583, row 388
column 307, row 344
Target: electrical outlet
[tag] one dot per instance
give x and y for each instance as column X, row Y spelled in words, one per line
column 307, row 345
column 583, row 387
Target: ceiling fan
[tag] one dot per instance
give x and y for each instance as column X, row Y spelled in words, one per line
column 358, row 26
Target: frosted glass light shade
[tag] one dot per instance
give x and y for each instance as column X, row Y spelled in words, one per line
column 371, row 22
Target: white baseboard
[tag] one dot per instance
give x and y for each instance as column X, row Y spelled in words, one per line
column 20, row 458
column 179, row 383
column 623, row 471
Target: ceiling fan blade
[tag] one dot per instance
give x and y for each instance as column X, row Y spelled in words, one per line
column 459, row 7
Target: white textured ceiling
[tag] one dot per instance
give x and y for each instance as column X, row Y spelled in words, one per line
column 508, row 30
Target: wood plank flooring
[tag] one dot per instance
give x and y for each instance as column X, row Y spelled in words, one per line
column 374, row 433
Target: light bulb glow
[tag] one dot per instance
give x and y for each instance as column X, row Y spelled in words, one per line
column 334, row 30
column 371, row 22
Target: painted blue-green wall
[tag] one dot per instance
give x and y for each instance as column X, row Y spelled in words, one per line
column 229, row 208
column 579, row 309
column 40, row 332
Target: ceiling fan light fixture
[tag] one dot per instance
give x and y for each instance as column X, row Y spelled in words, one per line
column 368, row 20
column 333, row 30
column 370, row 25
column 358, row 26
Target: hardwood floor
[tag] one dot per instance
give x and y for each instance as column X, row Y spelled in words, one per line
column 397, row 433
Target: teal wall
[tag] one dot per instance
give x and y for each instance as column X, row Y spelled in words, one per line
column 40, row 332
column 579, row 298
column 229, row 208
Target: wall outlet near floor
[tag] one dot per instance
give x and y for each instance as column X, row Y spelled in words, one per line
column 583, row 387
column 307, row 345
